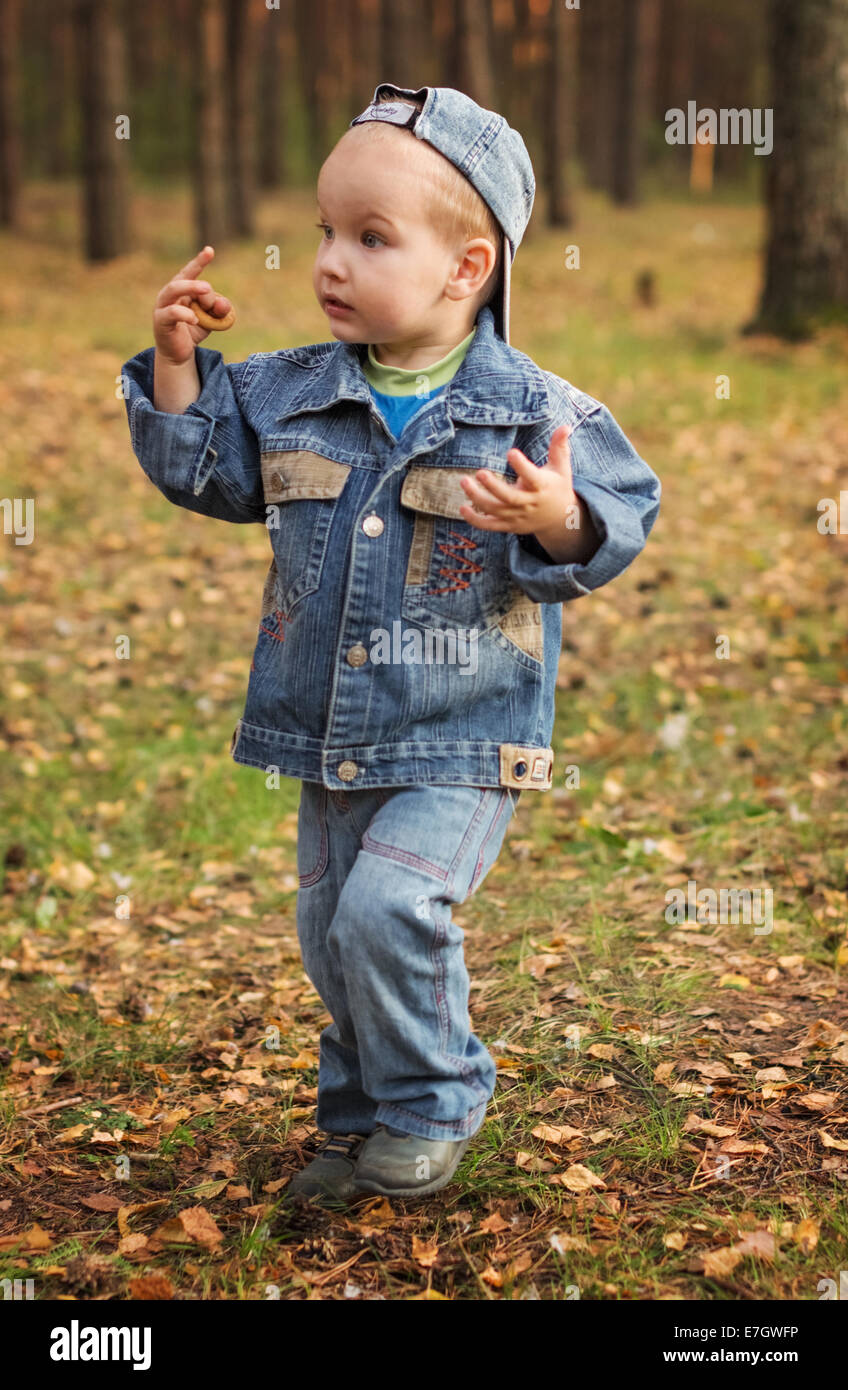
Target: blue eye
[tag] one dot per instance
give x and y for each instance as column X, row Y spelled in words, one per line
column 323, row 227
column 372, row 234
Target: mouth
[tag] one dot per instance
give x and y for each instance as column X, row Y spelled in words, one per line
column 334, row 305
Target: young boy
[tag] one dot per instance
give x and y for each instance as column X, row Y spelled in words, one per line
column 427, row 489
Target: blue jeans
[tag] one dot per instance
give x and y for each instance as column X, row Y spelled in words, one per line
column 378, row 871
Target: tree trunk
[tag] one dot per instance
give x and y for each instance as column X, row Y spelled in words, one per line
column 241, row 30
column 209, row 143
column 10, row 131
column 401, row 38
column 367, row 59
column 806, row 266
column 311, row 43
column 102, row 99
column 472, row 54
column 627, row 127
column 59, row 97
column 559, row 144
column 271, row 156
column 597, row 91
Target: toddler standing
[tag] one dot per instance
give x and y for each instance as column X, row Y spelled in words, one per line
column 432, row 498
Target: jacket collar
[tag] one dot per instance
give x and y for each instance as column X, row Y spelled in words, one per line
column 495, row 384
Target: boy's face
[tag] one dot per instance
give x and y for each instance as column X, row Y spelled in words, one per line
column 378, row 253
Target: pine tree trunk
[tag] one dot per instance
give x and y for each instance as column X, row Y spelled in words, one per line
column 627, row 136
column 311, row 45
column 806, row 268
column 240, row 169
column 10, row 133
column 59, row 96
column 367, row 60
column 559, row 144
column 597, row 91
column 272, row 163
column 102, row 98
column 401, row 36
column 209, row 143
column 473, row 69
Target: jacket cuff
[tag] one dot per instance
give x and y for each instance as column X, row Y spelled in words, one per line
column 179, row 444
column 622, row 537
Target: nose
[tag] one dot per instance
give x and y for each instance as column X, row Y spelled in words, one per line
column 331, row 260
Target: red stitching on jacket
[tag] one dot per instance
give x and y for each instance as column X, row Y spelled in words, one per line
column 466, row 564
column 278, row 635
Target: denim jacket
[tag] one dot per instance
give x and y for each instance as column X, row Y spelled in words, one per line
column 378, row 589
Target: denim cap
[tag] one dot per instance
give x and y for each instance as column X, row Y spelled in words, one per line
column 491, row 155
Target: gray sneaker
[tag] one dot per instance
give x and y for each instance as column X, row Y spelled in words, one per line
column 397, row 1164
column 330, row 1174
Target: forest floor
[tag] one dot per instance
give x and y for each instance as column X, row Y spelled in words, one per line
column 671, row 1113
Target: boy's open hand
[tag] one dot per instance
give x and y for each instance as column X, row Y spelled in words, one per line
column 539, row 501
column 176, row 329
column 542, row 503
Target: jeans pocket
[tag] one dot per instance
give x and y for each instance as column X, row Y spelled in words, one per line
column 312, row 838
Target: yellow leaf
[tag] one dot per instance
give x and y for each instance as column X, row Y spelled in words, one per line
column 806, row 1234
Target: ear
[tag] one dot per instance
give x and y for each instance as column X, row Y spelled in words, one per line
column 473, row 269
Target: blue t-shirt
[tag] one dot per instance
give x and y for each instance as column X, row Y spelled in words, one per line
column 403, row 391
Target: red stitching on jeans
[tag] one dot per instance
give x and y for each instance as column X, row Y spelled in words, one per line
column 466, row 564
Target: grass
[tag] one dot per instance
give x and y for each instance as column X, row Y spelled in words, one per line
column 148, row 947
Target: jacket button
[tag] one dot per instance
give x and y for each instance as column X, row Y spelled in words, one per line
column 347, row 771
column 357, row 655
column 519, row 769
column 373, row 525
column 277, row 480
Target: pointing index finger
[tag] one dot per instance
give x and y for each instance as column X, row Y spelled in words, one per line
column 193, row 268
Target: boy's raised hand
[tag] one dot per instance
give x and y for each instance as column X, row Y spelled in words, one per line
column 176, row 330
column 538, row 502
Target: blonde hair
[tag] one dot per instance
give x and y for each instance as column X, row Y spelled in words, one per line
column 457, row 211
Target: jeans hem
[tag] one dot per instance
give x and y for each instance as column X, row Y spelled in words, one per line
column 425, row 1128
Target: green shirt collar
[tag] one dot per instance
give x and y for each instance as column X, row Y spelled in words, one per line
column 401, row 381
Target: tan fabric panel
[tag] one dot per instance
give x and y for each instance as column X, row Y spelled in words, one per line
column 539, row 761
column 522, row 624
column 291, row 475
column 435, row 490
column 418, row 567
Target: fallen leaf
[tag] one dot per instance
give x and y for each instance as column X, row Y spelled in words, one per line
column 579, row 1178
column 102, row 1201
column 151, row 1286
column 424, row 1253
column 494, row 1224
column 818, row 1100
column 829, row 1143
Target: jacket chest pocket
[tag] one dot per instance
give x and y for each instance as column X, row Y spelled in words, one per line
column 301, row 490
column 456, row 574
